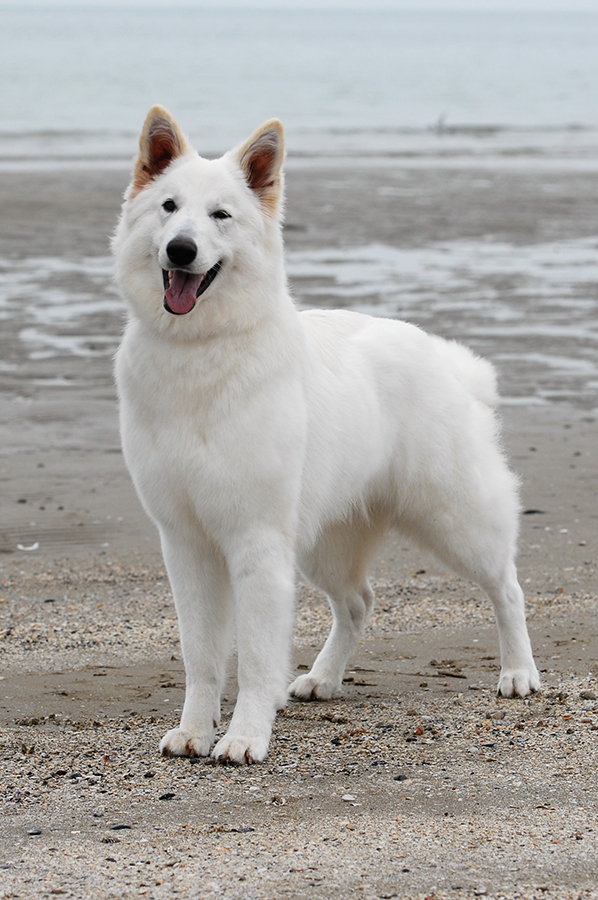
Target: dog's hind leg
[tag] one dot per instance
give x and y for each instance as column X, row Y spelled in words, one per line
column 477, row 540
column 339, row 566
column 519, row 675
column 203, row 600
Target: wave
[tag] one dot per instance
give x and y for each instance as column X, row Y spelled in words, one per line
column 476, row 130
column 439, row 142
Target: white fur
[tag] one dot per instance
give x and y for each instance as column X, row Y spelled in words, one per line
column 261, row 439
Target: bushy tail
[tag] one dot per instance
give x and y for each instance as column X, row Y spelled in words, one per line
column 476, row 374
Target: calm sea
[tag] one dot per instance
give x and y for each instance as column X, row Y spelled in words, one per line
column 78, row 82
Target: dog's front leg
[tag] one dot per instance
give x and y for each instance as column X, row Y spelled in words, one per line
column 262, row 575
column 203, row 601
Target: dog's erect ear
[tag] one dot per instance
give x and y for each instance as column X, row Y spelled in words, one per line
column 261, row 158
column 161, row 141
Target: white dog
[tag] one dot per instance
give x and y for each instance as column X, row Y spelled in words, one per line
column 261, row 439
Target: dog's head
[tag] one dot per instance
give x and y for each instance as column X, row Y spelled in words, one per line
column 197, row 237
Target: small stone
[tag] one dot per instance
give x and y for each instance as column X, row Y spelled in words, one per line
column 348, row 798
column 120, row 827
column 588, row 695
column 167, row 796
column 400, row 778
column 33, row 831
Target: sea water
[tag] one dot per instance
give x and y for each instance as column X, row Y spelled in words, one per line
column 77, row 82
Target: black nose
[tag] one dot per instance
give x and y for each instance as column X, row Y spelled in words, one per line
column 181, row 251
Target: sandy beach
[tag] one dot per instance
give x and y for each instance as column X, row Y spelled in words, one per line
column 419, row 783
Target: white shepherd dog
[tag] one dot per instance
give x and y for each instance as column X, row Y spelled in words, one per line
column 261, row 440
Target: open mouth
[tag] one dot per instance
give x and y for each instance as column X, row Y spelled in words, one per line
column 181, row 289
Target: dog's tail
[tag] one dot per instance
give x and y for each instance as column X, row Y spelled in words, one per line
column 477, row 375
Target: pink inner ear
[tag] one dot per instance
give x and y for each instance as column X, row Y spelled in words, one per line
column 161, row 142
column 259, row 162
column 163, row 147
column 259, row 167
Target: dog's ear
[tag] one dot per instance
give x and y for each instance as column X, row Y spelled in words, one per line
column 261, row 158
column 161, row 141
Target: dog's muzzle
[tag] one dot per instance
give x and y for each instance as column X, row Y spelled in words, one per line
column 181, row 288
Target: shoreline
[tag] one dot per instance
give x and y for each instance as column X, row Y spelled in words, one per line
column 508, row 160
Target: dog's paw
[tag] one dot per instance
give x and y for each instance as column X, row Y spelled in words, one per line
column 519, row 682
column 238, row 750
column 178, row 742
column 306, row 687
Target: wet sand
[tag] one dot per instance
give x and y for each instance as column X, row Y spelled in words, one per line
column 455, row 793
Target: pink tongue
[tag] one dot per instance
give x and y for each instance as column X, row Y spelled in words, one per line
column 180, row 294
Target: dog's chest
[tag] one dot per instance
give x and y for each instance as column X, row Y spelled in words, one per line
column 199, row 441
column 174, row 422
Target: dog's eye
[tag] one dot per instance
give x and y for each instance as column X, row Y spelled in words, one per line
column 220, row 214
column 169, row 206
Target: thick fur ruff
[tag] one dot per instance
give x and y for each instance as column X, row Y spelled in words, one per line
column 262, row 440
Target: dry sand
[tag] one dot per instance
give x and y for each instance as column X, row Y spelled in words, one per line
column 419, row 783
